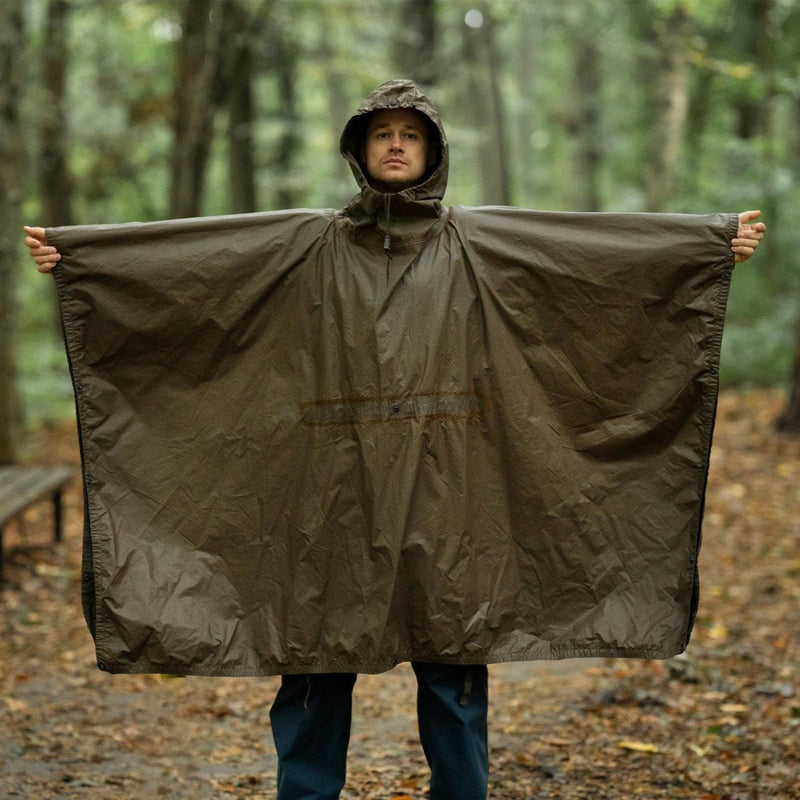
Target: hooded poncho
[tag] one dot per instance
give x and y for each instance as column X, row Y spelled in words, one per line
column 320, row 440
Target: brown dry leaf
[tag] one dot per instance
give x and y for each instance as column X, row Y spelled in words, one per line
column 556, row 742
column 733, row 708
column 639, row 747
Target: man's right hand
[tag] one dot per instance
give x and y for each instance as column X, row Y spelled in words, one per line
column 46, row 257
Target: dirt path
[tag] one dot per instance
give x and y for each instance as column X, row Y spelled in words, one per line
column 721, row 723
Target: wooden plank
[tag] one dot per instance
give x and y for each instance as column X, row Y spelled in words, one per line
column 23, row 486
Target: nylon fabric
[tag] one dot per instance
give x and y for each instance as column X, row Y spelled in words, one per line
column 298, row 460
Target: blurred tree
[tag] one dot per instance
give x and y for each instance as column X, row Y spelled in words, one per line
column 238, row 69
column 482, row 65
column 527, row 54
column 54, row 175
column 415, row 45
column 750, row 39
column 588, row 152
column 12, row 167
column 790, row 419
column 283, row 61
column 335, row 73
column 670, row 103
column 199, row 60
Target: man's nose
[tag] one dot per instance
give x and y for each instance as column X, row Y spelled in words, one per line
column 396, row 143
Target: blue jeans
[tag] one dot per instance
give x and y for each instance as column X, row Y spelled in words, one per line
column 311, row 719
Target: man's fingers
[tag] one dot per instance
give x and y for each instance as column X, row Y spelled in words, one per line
column 748, row 216
column 38, row 249
column 36, row 232
column 748, row 238
column 45, row 263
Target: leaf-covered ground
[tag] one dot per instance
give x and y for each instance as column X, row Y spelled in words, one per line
column 723, row 721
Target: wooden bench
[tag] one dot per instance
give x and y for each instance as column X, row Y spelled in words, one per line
column 21, row 487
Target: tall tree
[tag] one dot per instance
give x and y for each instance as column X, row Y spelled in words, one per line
column 11, row 169
column 482, row 64
column 284, row 52
column 671, row 103
column 56, row 186
column 339, row 101
column 199, row 59
column 527, row 56
column 790, row 419
column 416, row 41
column 239, row 100
column 587, row 140
column 750, row 39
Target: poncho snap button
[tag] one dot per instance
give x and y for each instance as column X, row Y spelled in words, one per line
column 395, row 408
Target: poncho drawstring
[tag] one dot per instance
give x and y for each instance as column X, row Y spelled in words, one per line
column 387, row 239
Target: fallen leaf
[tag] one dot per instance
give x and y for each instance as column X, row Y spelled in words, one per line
column 556, row 742
column 639, row 747
column 733, row 708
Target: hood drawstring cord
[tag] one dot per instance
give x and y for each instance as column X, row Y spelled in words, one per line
column 387, row 239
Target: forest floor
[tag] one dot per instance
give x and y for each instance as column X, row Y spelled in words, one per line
column 721, row 722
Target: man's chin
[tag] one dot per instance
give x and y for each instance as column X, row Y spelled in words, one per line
column 390, row 186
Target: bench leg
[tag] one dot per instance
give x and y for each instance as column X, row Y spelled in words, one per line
column 58, row 519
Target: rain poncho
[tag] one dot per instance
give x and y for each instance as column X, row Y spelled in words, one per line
column 321, row 440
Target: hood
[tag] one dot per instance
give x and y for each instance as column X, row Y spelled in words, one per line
column 405, row 94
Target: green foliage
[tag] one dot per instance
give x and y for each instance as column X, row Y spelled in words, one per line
column 120, row 87
column 44, row 386
column 757, row 346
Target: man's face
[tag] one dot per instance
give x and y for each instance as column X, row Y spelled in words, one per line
column 396, row 151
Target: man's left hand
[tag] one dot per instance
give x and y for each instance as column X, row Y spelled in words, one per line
column 748, row 236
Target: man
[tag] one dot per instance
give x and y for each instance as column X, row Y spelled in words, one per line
column 415, row 321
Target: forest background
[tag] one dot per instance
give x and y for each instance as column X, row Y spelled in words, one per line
column 122, row 110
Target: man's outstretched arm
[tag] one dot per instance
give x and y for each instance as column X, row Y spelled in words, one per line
column 748, row 236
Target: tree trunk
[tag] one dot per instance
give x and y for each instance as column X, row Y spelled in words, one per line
column 481, row 61
column 12, row 168
column 415, row 42
column 752, row 43
column 239, row 81
column 530, row 181
column 699, row 104
column 790, row 419
column 197, row 74
column 56, row 187
column 339, row 102
column 285, row 55
column 671, row 101
column 588, row 154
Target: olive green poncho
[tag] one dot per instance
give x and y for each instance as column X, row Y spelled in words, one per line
column 320, row 440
